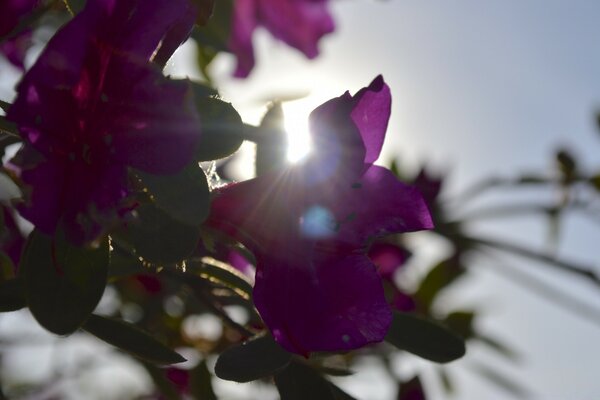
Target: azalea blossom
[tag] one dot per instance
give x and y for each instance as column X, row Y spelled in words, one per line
column 298, row 23
column 94, row 105
column 11, row 13
column 311, row 225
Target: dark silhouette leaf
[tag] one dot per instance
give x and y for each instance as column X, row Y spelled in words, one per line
column 63, row 283
column 201, row 384
column 425, row 338
column 251, row 360
column 131, row 339
column 12, row 295
column 159, row 238
column 299, row 382
column 183, row 196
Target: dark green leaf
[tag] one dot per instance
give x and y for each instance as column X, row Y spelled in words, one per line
column 204, row 11
column 8, row 128
column 438, row 278
column 461, row 322
column 63, row 283
column 251, row 360
column 271, row 149
column 184, row 196
column 4, row 105
column 300, row 382
column 201, row 383
column 215, row 34
column 425, row 338
column 158, row 238
column 131, row 339
column 222, row 129
column 122, row 263
column 12, row 295
column 222, row 273
column 566, row 164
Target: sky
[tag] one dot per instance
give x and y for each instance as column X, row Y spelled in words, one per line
column 479, row 89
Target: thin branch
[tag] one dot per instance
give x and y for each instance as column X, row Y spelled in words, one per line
column 547, row 291
column 571, row 267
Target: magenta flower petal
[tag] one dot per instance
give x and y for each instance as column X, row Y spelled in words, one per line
column 371, row 113
column 298, row 23
column 16, row 48
column 319, row 306
column 379, row 204
column 243, row 23
column 42, row 178
column 93, row 105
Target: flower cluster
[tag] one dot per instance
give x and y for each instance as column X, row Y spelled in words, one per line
column 94, row 105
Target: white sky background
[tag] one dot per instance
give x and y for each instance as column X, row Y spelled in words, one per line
column 479, row 88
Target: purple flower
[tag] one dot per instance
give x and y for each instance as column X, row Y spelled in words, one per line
column 11, row 12
column 298, row 23
column 310, row 227
column 94, row 105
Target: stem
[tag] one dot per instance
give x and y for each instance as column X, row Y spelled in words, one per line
column 550, row 293
column 560, row 264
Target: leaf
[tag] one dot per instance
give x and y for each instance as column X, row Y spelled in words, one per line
column 566, row 165
column 425, row 338
column 63, row 283
column 438, row 278
column 123, row 263
column 201, row 383
column 272, row 147
column 9, row 128
column 205, row 10
column 299, row 382
column 158, row 238
column 257, row 358
column 222, row 129
column 131, row 339
column 12, row 295
column 461, row 322
column 222, row 273
column 215, row 34
column 183, row 196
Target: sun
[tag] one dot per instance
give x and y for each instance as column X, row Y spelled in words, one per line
column 296, row 126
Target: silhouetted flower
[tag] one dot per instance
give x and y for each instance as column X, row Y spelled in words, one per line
column 298, row 23
column 94, row 105
column 311, row 225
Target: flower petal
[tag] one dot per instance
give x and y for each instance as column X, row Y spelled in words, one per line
column 379, row 204
column 242, row 27
column 331, row 306
column 371, row 113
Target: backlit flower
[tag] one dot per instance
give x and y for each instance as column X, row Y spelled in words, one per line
column 298, row 23
column 310, row 228
column 94, row 105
